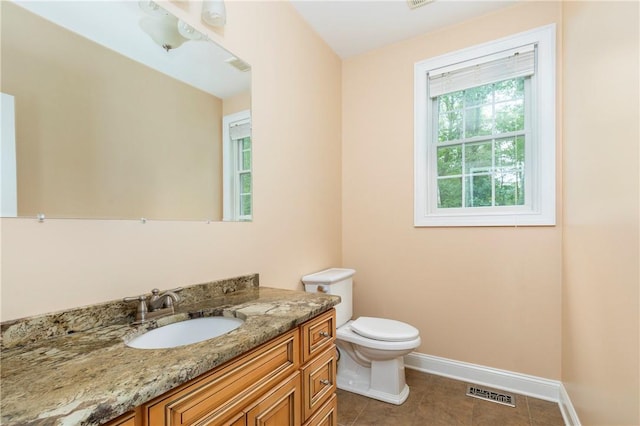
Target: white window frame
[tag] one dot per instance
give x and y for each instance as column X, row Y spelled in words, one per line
column 230, row 161
column 540, row 166
column 8, row 171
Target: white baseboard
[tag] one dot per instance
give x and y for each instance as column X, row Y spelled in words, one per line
column 537, row 387
column 566, row 408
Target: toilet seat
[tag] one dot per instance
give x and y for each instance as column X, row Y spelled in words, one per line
column 346, row 333
column 383, row 329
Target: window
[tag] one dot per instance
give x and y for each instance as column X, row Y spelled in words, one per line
column 237, row 161
column 485, row 134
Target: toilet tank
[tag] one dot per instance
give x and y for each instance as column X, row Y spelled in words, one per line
column 336, row 281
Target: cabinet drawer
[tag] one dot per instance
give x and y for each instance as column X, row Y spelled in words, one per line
column 327, row 415
column 318, row 381
column 318, row 334
column 218, row 394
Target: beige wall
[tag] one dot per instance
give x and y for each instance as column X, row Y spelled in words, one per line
column 236, row 103
column 102, row 136
column 489, row 296
column 296, row 229
column 502, row 297
column 600, row 324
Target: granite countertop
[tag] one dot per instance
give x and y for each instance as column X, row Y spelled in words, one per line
column 89, row 377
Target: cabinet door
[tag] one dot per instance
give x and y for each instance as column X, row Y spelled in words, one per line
column 318, row 381
column 327, row 415
column 279, row 407
column 220, row 395
column 239, row 420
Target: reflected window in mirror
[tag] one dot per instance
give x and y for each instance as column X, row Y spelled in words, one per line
column 238, row 188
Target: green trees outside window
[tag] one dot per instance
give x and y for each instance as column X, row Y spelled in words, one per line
column 481, row 137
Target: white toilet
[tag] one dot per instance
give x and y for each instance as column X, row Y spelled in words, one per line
column 371, row 349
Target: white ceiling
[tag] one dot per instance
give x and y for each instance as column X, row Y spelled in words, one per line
column 352, row 27
column 115, row 25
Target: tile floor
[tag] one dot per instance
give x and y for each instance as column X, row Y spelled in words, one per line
column 436, row 400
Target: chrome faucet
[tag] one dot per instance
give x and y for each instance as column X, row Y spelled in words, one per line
column 159, row 304
column 164, row 300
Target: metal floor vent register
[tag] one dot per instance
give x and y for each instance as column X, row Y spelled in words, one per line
column 501, row 398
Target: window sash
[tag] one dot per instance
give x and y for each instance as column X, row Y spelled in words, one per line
column 434, row 144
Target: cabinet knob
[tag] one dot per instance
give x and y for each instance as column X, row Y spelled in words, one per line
column 324, row 334
column 325, row 382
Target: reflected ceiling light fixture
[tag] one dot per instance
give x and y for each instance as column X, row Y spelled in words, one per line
column 214, row 12
column 165, row 29
column 188, row 32
column 151, row 8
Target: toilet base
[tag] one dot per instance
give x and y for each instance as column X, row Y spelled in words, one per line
column 381, row 380
column 397, row 399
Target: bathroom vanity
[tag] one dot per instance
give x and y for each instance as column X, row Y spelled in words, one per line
column 289, row 380
column 278, row 368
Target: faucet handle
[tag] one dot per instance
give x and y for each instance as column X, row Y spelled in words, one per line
column 142, row 305
column 135, row 298
column 155, row 292
column 154, row 295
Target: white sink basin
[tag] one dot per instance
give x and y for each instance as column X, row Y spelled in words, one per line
column 185, row 333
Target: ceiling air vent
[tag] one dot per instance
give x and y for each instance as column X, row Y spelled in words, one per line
column 413, row 4
column 238, row 64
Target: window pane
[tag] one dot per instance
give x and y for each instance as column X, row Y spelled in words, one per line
column 478, row 95
column 245, row 183
column 246, row 143
column 477, row 157
column 510, row 116
column 245, row 205
column 510, row 153
column 509, row 189
column 450, row 160
column 478, row 121
column 450, row 126
column 450, row 102
column 478, row 191
column 246, row 160
column 509, row 89
column 450, row 192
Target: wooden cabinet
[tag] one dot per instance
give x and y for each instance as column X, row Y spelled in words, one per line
column 318, row 381
column 318, row 334
column 267, row 386
column 222, row 393
column 279, row 407
column 127, row 419
column 327, row 415
column 319, row 366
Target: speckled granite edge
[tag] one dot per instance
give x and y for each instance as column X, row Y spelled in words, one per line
column 32, row 329
column 90, row 377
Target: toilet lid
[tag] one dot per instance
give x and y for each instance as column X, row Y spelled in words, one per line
column 384, row 329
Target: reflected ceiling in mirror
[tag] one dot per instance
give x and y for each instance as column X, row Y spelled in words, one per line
column 117, row 110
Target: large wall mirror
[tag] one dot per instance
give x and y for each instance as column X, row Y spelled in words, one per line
column 118, row 110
